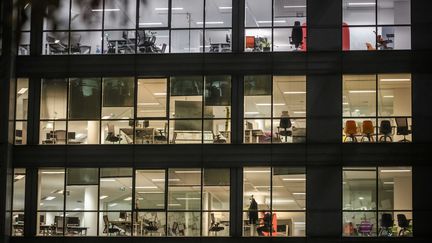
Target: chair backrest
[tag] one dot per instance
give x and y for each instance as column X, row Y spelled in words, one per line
column 350, row 127
column 367, row 127
column 402, row 221
column 212, row 218
column 111, row 129
column 60, row 135
column 386, row 220
column 105, row 219
column 75, row 39
column 285, row 122
column 297, row 33
column 402, row 125
column 385, row 127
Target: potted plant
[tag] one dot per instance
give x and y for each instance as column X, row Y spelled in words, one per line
column 265, row 45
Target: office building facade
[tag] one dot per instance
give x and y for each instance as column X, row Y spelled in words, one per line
column 215, row 120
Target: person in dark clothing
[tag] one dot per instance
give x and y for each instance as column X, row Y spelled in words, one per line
column 253, row 211
column 266, row 227
column 297, row 35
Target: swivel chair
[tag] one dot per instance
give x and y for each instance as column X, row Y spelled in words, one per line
column 403, row 223
column 285, row 124
column 386, row 131
column 402, row 128
column 111, row 137
column 350, row 130
column 367, row 131
column 386, row 225
column 296, row 35
column 214, row 227
column 109, row 228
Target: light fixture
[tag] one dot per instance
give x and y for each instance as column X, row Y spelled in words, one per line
column 53, row 172
column 294, row 179
column 149, row 104
column 188, row 198
column 225, row 8
column 251, row 112
column 112, row 205
column 268, row 104
column 268, row 186
column 187, row 171
column 297, row 6
column 275, row 201
column 257, row 171
column 106, row 10
column 295, row 92
column 160, row 94
column 299, row 193
column 166, row 9
column 49, row 198
column 150, row 192
column 163, row 180
column 388, row 183
column 361, row 4
column 211, row 22
column 362, row 91
column 19, row 177
column 300, row 223
column 345, row 103
column 395, row 171
column 22, row 91
column 127, row 199
column 388, row 96
column 146, row 187
column 299, row 112
column 107, row 180
column 103, row 197
column 169, row 204
column 77, row 209
column 395, row 80
column 361, row 198
column 150, row 23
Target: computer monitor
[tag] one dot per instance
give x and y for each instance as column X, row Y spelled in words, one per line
column 20, row 218
column 73, row 221
column 122, row 215
column 71, row 135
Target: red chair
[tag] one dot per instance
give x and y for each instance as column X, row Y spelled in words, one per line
column 274, row 226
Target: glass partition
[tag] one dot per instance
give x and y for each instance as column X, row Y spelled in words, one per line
column 18, row 202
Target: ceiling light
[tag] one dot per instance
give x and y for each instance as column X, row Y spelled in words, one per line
column 388, row 96
column 19, row 177
column 106, row 10
column 53, row 172
column 388, row 183
column 299, row 112
column 107, row 180
column 282, row 201
column 345, row 103
column 128, row 199
column 163, row 180
column 361, row 91
column 148, row 104
column 187, row 171
column 361, row 198
column 294, row 179
column 295, row 92
column 395, row 80
column 225, row 8
column 103, row 197
column 150, row 192
column 268, row 186
column 150, row 23
column 49, row 198
column 76, row 209
column 160, row 94
column 251, row 112
column 211, row 22
column 166, row 9
column 267, row 104
column 301, row 223
column 22, row 91
column 106, row 117
column 361, row 4
column 112, row 205
column 146, row 187
column 395, row 171
column 257, row 171
column 299, row 193
column 298, row 6
column 188, row 198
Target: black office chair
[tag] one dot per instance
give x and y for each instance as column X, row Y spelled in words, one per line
column 109, row 228
column 403, row 128
column 285, row 124
column 55, row 46
column 403, row 223
column 296, row 35
column 386, row 225
column 385, row 131
column 112, row 137
column 214, row 227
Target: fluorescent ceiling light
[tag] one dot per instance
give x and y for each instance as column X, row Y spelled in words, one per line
column 106, row 117
column 76, row 209
column 361, row 91
column 395, row 171
column 188, row 198
column 103, row 197
column 395, row 79
column 388, row 96
column 112, row 205
column 299, row 112
column 361, row 198
column 225, row 8
column 361, row 4
column 388, row 183
column 295, row 92
column 169, row 204
column 294, row 179
column 268, row 186
column 106, row 10
column 257, row 171
column 146, row 187
column 269, row 21
column 19, row 177
column 128, row 199
column 251, row 113
column 301, row 223
column 160, row 94
column 283, row 201
column 149, row 104
column 298, row 6
column 268, row 104
column 107, row 180
column 49, row 198
column 150, row 192
column 22, row 91
column 166, row 9
column 163, row 180
column 151, row 23
column 187, row 171
column 53, row 172
column 345, row 103
column 211, row 22
column 299, row 193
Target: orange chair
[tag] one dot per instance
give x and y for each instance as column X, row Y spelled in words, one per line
column 274, row 226
column 368, row 131
column 350, row 130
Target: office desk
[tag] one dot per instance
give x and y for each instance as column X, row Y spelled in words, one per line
column 47, row 229
column 122, row 224
column 79, row 229
column 220, row 47
column 121, row 46
column 143, row 135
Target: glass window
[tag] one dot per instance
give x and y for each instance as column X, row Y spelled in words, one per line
column 187, row 14
column 86, row 15
column 275, row 109
column 18, row 201
column 274, row 201
column 376, row 25
column 377, row 108
column 81, row 93
column 154, row 13
column 120, row 14
column 118, row 98
column 377, row 201
column 21, row 111
column 53, row 99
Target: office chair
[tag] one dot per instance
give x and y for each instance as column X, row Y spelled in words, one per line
column 386, row 131
column 403, row 223
column 214, row 227
column 386, row 225
column 296, row 35
column 365, row 228
column 74, row 45
column 55, row 46
column 111, row 137
column 402, row 128
column 60, row 136
column 367, row 131
column 285, row 124
column 108, row 227
column 350, row 130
